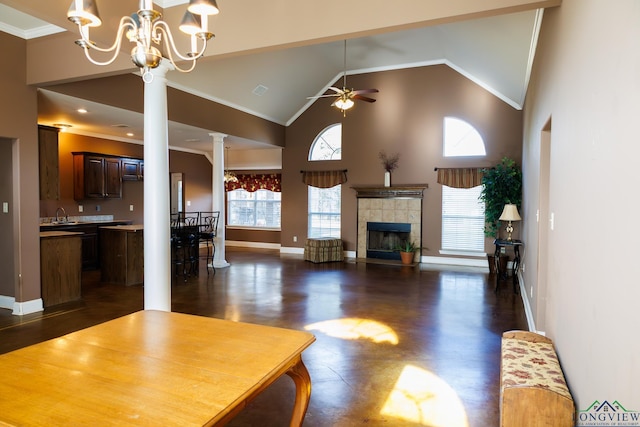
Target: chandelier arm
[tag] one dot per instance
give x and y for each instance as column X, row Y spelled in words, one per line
column 115, row 48
column 125, row 22
column 162, row 27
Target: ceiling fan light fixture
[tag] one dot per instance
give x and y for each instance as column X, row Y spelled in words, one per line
column 343, row 103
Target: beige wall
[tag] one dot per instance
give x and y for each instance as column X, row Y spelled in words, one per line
column 406, row 118
column 586, row 81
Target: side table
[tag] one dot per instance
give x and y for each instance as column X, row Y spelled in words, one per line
column 515, row 244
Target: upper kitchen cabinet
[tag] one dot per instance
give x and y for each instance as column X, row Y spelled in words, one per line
column 96, row 176
column 48, row 163
column 132, row 169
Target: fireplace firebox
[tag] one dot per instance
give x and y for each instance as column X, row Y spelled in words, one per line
column 384, row 237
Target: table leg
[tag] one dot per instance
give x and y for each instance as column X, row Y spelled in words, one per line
column 302, row 380
column 496, row 267
column 516, row 267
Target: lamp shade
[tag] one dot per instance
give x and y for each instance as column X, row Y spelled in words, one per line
column 510, row 213
column 203, row 7
column 191, row 24
column 84, row 12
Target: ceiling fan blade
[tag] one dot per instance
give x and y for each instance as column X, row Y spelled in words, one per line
column 336, row 90
column 330, row 95
column 359, row 91
column 363, row 98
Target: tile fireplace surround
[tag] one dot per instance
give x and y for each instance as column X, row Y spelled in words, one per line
column 389, row 204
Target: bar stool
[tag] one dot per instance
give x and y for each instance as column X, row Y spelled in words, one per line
column 208, row 232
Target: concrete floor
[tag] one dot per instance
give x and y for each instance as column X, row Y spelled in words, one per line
column 396, row 346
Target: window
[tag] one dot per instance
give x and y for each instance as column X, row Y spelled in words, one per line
column 462, row 219
column 260, row 208
column 324, row 212
column 461, row 139
column 328, row 144
column 462, row 211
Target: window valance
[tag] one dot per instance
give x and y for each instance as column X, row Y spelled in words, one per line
column 255, row 182
column 460, row 177
column 324, row 179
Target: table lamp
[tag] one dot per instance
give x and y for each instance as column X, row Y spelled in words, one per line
column 510, row 213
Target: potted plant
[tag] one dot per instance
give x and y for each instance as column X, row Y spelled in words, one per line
column 501, row 185
column 407, row 251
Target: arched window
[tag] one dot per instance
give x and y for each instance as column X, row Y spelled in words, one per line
column 328, row 144
column 461, row 139
column 462, row 212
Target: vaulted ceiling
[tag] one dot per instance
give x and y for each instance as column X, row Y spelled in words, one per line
column 492, row 45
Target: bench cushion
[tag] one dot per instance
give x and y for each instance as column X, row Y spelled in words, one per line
column 532, row 364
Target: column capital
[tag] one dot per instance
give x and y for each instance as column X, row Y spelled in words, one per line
column 218, row 137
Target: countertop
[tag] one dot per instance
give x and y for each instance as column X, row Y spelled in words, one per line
column 47, row 234
column 132, row 227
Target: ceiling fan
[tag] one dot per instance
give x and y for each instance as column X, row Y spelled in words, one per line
column 346, row 96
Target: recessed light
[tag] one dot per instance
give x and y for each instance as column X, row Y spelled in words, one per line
column 120, row 125
column 82, row 111
column 62, row 126
column 129, row 133
column 192, row 140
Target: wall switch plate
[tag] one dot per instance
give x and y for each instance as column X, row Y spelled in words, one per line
column 5, row 207
column 503, row 250
column 97, row 208
column 295, row 238
column 188, row 202
column 80, row 208
column 131, row 208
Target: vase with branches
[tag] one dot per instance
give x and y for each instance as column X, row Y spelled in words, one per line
column 390, row 163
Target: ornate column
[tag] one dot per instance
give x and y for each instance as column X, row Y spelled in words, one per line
column 157, row 234
column 217, row 193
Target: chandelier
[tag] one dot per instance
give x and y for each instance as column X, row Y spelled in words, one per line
column 228, row 175
column 147, row 30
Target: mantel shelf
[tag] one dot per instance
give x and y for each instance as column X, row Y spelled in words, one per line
column 400, row 191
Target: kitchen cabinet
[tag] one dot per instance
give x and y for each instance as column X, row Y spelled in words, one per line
column 48, row 163
column 96, row 176
column 89, row 237
column 132, row 169
column 60, row 267
column 122, row 254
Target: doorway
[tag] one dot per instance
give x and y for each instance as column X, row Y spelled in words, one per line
column 543, row 225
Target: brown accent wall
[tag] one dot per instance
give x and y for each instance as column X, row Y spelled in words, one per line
column 18, row 119
column 7, row 271
column 196, row 168
column 406, row 118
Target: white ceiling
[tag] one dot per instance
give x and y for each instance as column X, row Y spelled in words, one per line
column 495, row 52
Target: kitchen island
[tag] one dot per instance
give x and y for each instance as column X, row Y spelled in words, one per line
column 122, row 254
column 60, row 267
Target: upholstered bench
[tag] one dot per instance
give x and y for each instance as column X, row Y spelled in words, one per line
column 533, row 391
column 325, row 249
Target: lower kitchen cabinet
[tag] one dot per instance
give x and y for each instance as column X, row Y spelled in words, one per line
column 60, row 267
column 122, row 254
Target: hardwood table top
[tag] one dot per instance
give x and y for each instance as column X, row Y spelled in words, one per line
column 150, row 368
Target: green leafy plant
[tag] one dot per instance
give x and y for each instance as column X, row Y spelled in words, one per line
column 407, row 246
column 501, row 185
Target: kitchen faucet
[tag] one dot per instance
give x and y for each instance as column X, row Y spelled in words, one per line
column 64, row 212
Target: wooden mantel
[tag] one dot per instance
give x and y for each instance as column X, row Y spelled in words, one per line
column 400, row 191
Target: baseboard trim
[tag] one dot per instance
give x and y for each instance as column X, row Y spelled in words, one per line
column 258, row 245
column 7, row 302
column 28, row 307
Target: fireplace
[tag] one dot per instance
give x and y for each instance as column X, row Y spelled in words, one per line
column 384, row 237
column 396, row 216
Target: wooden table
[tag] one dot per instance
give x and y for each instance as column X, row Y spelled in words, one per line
column 151, row 368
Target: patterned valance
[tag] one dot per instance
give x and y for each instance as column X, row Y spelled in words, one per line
column 324, row 179
column 255, row 182
column 460, row 177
